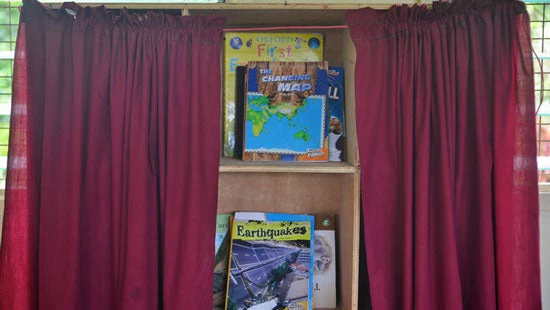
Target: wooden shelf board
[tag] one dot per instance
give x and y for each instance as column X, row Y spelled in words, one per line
column 232, row 6
column 236, row 165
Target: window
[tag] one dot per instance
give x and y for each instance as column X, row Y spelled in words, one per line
column 9, row 20
column 540, row 35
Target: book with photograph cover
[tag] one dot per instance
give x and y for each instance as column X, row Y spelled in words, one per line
column 324, row 262
column 285, row 111
column 335, row 120
column 271, row 261
column 241, row 47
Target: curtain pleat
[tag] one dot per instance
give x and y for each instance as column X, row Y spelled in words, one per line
column 446, row 128
column 115, row 204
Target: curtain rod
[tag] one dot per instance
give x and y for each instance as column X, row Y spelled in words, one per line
column 285, row 27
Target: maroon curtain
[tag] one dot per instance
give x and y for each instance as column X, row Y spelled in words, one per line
column 113, row 166
column 445, row 120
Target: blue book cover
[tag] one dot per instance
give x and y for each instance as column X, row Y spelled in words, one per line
column 271, row 261
column 285, row 111
column 335, row 120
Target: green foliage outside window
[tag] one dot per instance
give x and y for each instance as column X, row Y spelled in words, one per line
column 9, row 20
column 539, row 14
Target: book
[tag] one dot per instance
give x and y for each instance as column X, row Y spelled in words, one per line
column 324, row 262
column 335, row 120
column 285, row 111
column 240, row 103
column 222, row 245
column 271, row 262
column 241, row 47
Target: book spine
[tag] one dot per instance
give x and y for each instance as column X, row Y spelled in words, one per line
column 240, row 103
column 336, row 119
column 324, row 265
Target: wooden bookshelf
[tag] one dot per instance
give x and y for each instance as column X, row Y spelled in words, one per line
column 304, row 192
column 312, row 188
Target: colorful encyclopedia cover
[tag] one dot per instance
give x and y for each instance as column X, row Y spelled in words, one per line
column 271, row 261
column 241, row 47
column 285, row 111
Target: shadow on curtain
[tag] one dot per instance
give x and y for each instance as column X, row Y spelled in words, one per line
column 445, row 119
column 113, row 166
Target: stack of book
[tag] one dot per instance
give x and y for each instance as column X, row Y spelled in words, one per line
column 281, row 100
column 278, row 261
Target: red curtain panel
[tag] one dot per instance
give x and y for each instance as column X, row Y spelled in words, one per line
column 113, row 166
column 446, row 127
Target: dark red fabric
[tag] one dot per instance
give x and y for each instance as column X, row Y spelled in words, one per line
column 445, row 122
column 113, row 168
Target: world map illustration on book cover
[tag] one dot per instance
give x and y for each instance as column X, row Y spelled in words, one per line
column 285, row 111
column 241, row 47
column 271, row 262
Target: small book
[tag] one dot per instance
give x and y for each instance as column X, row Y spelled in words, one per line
column 271, row 261
column 222, row 245
column 285, row 111
column 324, row 262
column 335, row 120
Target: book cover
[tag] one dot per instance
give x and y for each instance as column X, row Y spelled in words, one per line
column 241, row 47
column 335, row 119
column 324, row 262
column 271, row 261
column 285, row 111
column 222, row 245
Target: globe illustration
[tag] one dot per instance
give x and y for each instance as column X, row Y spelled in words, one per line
column 314, row 43
column 236, row 43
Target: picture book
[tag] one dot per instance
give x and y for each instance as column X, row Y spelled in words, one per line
column 271, row 261
column 324, row 262
column 285, row 111
column 335, row 120
column 241, row 47
column 222, row 245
